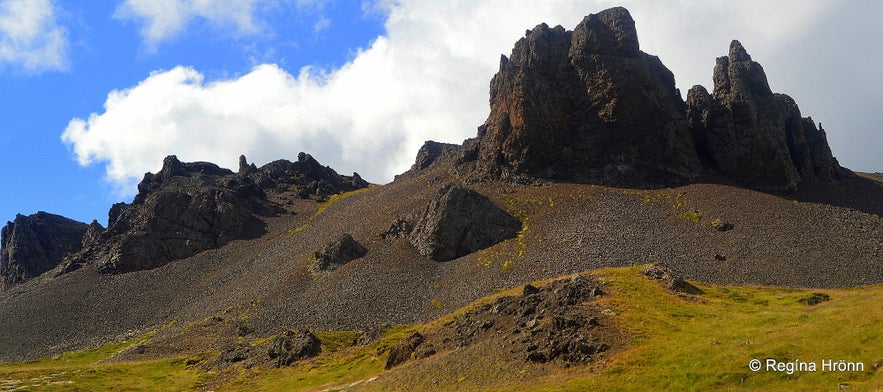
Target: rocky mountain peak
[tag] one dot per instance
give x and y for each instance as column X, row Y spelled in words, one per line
column 611, row 31
column 738, row 78
column 188, row 207
column 753, row 135
column 589, row 106
column 31, row 245
column 738, row 52
column 585, row 106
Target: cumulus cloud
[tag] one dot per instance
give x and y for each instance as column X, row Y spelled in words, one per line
column 426, row 78
column 31, row 37
column 165, row 19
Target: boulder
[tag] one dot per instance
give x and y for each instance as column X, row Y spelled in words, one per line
column 672, row 281
column 815, row 299
column 291, row 346
column 403, row 351
column 459, row 221
column 338, row 253
column 31, row 245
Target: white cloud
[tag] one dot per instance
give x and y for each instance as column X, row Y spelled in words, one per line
column 166, row 19
column 31, row 37
column 427, row 78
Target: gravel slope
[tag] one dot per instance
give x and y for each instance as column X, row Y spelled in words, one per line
column 828, row 238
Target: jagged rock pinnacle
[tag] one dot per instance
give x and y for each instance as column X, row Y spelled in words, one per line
column 752, row 135
column 585, row 105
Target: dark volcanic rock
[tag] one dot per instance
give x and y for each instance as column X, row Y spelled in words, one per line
column 673, row 282
column 431, row 152
column 290, row 346
column 399, row 229
column 556, row 322
column 585, row 105
column 307, row 175
column 589, row 106
column 815, row 299
column 459, row 221
column 753, row 135
column 31, row 245
column 182, row 210
column 190, row 207
column 402, row 351
column 338, row 253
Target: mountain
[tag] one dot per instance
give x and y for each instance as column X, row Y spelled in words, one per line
column 589, row 159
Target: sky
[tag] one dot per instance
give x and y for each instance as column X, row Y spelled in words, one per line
column 94, row 94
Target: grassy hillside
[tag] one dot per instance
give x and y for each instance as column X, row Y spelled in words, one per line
column 671, row 342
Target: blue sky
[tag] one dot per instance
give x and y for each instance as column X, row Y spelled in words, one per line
column 93, row 94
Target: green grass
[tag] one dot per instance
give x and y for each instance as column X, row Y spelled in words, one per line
column 706, row 344
column 340, row 364
column 694, row 216
column 673, row 343
column 331, row 200
column 84, row 371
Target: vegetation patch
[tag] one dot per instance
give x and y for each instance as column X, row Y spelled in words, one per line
column 694, row 216
column 672, row 342
column 324, row 205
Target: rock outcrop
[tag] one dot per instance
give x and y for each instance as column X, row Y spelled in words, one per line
column 186, row 208
column 338, row 253
column 589, row 106
column 555, row 323
column 672, row 281
column 753, row 135
column 402, row 351
column 291, row 346
column 306, row 174
column 459, row 221
column 585, row 105
column 31, row 245
column 432, row 152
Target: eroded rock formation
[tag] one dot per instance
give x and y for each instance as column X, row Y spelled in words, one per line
column 753, row 135
column 585, row 105
column 186, row 208
column 338, row 253
column 31, row 245
column 589, row 106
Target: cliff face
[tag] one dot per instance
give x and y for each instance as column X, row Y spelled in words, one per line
column 753, row 135
column 585, row 105
column 31, row 245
